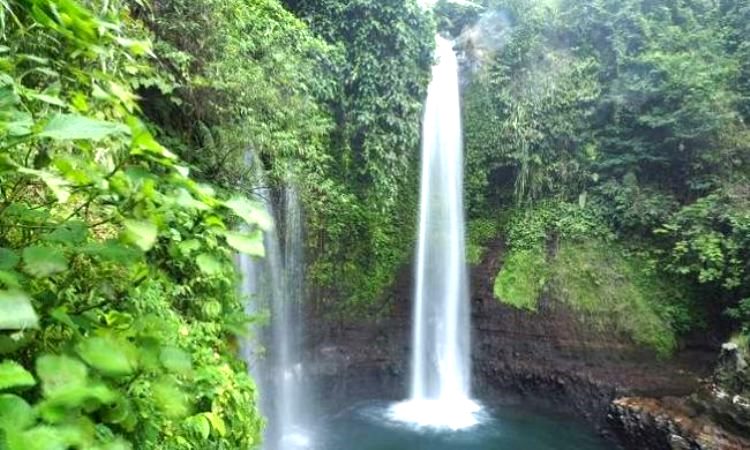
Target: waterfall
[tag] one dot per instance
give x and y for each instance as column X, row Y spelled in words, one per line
column 441, row 373
column 275, row 284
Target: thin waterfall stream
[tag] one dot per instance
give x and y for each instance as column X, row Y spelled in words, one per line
column 276, row 284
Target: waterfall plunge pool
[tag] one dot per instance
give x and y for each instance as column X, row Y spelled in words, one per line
column 370, row 426
column 439, row 413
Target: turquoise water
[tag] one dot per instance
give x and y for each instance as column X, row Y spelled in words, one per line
column 366, row 427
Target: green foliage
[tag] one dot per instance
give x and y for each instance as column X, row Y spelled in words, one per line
column 532, row 227
column 332, row 108
column 567, row 251
column 530, row 232
column 479, row 233
column 741, row 313
column 255, row 82
column 586, row 91
column 521, row 281
column 128, row 335
column 635, row 109
column 711, row 240
column 453, row 17
column 15, row 307
column 527, row 117
column 633, row 208
column 13, row 375
column 361, row 212
column 616, row 292
column 735, row 20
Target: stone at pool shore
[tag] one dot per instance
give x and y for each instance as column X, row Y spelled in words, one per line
column 669, row 423
column 715, row 417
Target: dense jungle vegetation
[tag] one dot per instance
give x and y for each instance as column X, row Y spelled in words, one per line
column 132, row 135
column 607, row 143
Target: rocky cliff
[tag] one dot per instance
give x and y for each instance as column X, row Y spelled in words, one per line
column 549, row 357
column 552, row 354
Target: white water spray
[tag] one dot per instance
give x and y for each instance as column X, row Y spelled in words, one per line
column 441, row 375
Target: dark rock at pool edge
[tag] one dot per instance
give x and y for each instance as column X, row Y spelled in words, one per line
column 671, row 424
column 547, row 357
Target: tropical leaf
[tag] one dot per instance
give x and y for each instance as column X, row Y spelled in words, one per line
column 141, row 233
column 11, row 279
column 186, row 200
column 13, row 375
column 66, row 385
column 144, row 143
column 170, row 398
column 68, row 127
column 122, row 414
column 200, row 424
column 252, row 213
column 57, row 185
column 106, row 355
column 74, row 232
column 8, row 259
column 44, row 261
column 50, row 99
column 208, row 264
column 60, row 373
column 17, row 123
column 16, row 312
column 175, row 360
column 189, row 246
column 113, row 251
column 15, row 413
column 43, row 437
column 250, row 244
column 217, row 423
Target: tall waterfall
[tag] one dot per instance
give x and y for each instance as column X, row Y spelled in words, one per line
column 441, row 374
column 275, row 283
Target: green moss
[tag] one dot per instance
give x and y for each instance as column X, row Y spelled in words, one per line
column 608, row 288
column 522, row 279
column 612, row 291
column 479, row 233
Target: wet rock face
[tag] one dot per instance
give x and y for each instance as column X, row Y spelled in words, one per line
column 730, row 410
column 669, row 424
column 549, row 357
column 362, row 359
column 715, row 417
column 554, row 355
column 727, row 399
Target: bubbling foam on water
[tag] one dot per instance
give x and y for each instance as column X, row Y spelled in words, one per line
column 454, row 415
